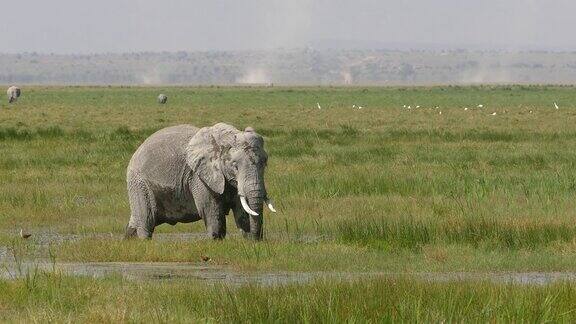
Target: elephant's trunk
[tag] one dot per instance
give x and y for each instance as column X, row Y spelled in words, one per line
column 252, row 199
column 254, row 209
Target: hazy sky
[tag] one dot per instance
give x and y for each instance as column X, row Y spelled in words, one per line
column 90, row 26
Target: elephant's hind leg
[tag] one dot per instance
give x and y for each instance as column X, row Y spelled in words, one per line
column 142, row 209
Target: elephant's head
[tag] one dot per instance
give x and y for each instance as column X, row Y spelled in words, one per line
column 222, row 154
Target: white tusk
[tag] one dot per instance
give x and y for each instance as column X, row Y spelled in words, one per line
column 246, row 207
column 270, row 206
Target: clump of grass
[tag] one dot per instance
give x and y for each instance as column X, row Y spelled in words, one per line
column 50, row 132
column 508, row 234
column 413, row 233
column 10, row 133
column 348, row 130
column 386, row 233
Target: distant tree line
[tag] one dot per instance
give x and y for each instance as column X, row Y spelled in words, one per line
column 301, row 66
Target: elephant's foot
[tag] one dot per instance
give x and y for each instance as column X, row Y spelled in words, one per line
column 217, row 236
column 130, row 233
column 251, row 236
column 139, row 232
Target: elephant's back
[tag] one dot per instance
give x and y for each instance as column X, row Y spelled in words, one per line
column 12, row 90
column 161, row 158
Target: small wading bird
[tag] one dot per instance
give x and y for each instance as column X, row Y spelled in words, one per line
column 318, row 105
column 24, row 235
column 493, row 114
column 480, row 106
column 556, row 106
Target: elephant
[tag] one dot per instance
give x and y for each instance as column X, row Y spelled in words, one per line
column 13, row 93
column 162, row 98
column 183, row 174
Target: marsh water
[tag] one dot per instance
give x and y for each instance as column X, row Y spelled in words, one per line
column 222, row 274
column 12, row 268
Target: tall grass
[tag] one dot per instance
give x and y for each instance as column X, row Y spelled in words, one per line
column 57, row 298
column 477, row 232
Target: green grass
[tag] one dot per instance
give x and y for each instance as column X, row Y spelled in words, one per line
column 55, row 298
column 377, row 189
column 383, row 177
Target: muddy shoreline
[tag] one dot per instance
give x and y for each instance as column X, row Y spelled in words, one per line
column 216, row 274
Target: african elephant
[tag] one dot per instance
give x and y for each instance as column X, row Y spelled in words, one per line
column 13, row 93
column 182, row 174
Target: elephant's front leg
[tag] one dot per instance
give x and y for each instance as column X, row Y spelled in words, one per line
column 211, row 209
column 215, row 222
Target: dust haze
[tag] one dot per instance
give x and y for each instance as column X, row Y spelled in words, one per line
column 273, row 28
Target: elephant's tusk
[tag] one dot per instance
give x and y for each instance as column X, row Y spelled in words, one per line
column 246, row 207
column 270, row 206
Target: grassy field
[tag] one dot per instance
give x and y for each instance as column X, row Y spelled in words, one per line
column 112, row 300
column 384, row 188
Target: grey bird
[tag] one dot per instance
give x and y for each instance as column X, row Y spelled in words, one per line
column 24, row 235
column 13, row 93
column 162, row 98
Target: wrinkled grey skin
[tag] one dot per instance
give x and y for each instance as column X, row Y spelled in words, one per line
column 182, row 174
column 162, row 98
column 13, row 93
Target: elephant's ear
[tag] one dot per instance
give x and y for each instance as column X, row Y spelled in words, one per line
column 203, row 156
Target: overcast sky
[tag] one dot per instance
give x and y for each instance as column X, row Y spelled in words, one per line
column 94, row 26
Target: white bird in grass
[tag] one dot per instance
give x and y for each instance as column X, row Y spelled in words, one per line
column 440, row 113
column 556, row 106
column 318, row 104
column 409, row 107
column 24, row 235
column 480, row 106
column 493, row 114
column 417, row 106
column 465, row 108
column 404, row 106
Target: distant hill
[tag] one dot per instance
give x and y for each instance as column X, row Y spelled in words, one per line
column 318, row 65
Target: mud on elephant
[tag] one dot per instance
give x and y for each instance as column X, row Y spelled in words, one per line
column 182, row 174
